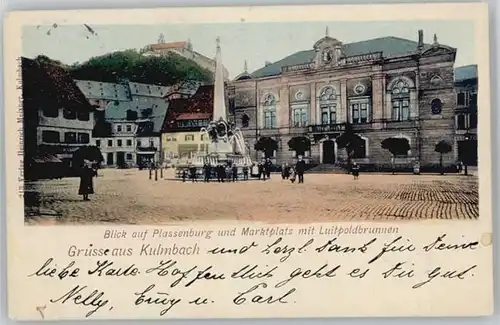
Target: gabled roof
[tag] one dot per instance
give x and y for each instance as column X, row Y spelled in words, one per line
column 389, row 46
column 52, row 85
column 103, row 90
column 466, row 72
column 200, row 103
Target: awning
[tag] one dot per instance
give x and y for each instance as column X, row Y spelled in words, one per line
column 47, row 159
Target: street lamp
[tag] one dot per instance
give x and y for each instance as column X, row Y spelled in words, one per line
column 467, row 137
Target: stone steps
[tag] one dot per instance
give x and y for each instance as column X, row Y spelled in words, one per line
column 328, row 168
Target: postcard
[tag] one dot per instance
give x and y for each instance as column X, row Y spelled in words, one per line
column 249, row 162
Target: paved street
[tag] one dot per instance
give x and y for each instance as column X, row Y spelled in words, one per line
column 129, row 197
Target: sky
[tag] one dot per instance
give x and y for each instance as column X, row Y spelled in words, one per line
column 254, row 42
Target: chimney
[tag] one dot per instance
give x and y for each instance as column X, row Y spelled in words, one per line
column 420, row 39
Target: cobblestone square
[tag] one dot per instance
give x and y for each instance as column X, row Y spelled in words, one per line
column 130, row 197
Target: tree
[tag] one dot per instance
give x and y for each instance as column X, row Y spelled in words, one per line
column 442, row 147
column 300, row 145
column 349, row 141
column 166, row 70
column 267, row 145
column 397, row 147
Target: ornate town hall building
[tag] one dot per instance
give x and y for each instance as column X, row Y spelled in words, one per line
column 385, row 87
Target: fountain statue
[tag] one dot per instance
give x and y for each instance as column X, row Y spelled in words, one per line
column 227, row 145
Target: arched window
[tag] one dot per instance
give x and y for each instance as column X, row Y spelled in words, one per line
column 400, row 100
column 245, row 120
column 436, row 106
column 269, row 111
column 328, row 105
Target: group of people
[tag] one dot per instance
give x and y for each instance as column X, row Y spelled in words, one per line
column 292, row 172
column 223, row 172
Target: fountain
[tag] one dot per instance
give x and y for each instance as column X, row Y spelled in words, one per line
column 227, row 145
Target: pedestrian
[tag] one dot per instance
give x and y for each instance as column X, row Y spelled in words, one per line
column 287, row 171
column 245, row 172
column 355, row 170
column 86, row 180
column 283, row 171
column 262, row 174
column 184, row 175
column 235, row 173
column 292, row 175
column 192, row 171
column 300, row 168
column 228, row 172
column 268, row 166
column 207, row 169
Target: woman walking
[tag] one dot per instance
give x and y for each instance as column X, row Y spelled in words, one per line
column 86, row 181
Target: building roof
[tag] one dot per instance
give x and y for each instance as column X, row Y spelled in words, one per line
column 140, row 89
column 103, row 90
column 200, row 104
column 389, row 46
column 170, row 45
column 51, row 85
column 466, row 72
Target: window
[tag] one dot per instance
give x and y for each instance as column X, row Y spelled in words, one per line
column 189, row 137
column 83, row 138
column 245, row 121
column 401, row 110
column 461, row 99
column 83, row 116
column 329, row 114
column 436, row 106
column 50, row 137
column 269, row 119
column 98, row 143
column 139, row 143
column 129, row 128
column 269, row 111
column 299, row 116
column 129, row 143
column 119, row 143
column 129, row 156
column 360, row 151
column 327, row 94
column 118, row 128
column 50, row 111
column 70, row 137
column 110, row 143
column 69, row 114
column 360, row 112
column 466, row 121
column 400, row 100
column 203, row 137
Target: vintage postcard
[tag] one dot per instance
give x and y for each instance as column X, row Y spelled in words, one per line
column 288, row 161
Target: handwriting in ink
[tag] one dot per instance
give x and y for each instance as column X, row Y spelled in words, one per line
column 242, row 250
column 49, row 270
column 200, row 301
column 251, row 272
column 324, row 271
column 252, row 297
column 438, row 273
column 158, row 298
column 440, row 245
column 206, row 275
column 394, row 246
column 398, row 271
column 78, row 296
column 104, row 268
column 285, row 250
column 332, row 246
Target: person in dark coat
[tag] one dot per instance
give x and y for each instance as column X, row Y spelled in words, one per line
column 235, row 173
column 355, row 170
column 192, row 172
column 267, row 167
column 86, row 181
column 220, row 173
column 207, row 170
column 184, row 175
column 300, row 168
column 245, row 172
column 262, row 174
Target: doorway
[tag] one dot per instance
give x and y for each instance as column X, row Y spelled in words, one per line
column 328, row 152
column 120, row 159
column 110, row 159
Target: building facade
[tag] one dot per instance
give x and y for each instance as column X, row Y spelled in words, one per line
column 466, row 86
column 58, row 119
column 385, row 88
column 181, row 136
